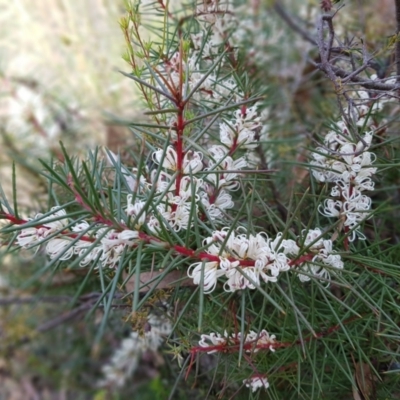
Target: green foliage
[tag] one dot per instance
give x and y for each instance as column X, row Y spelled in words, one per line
column 219, row 224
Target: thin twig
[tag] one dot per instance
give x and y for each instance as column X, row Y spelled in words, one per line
column 325, row 50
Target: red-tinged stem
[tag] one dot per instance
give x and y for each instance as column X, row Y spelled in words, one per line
column 346, row 239
column 180, row 125
column 78, row 198
column 233, row 345
column 13, row 219
column 184, row 251
column 76, row 235
column 301, row 260
column 181, row 250
column 161, row 3
column 234, row 146
column 243, row 111
column 17, row 221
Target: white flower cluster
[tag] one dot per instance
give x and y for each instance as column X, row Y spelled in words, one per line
column 175, row 208
column 33, row 119
column 252, row 341
column 125, row 360
column 324, row 259
column 180, row 194
column 23, row 112
column 52, row 224
column 216, row 19
column 63, row 244
column 211, row 89
column 347, row 164
column 244, row 260
column 247, row 260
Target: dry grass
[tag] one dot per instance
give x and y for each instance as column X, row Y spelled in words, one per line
column 70, row 48
column 71, row 52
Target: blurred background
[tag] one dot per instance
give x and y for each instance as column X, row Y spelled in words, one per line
column 59, row 63
column 59, row 80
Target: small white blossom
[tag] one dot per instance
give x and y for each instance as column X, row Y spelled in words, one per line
column 113, row 245
column 134, row 209
column 210, row 275
column 323, row 256
column 222, row 202
column 256, row 382
column 166, row 158
column 127, row 357
column 60, row 248
column 192, row 162
column 30, row 237
column 241, row 131
column 252, row 341
column 213, row 339
column 348, row 165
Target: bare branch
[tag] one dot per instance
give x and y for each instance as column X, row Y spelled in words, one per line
column 325, row 49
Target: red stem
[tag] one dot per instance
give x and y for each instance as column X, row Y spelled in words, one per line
column 180, row 125
column 184, row 251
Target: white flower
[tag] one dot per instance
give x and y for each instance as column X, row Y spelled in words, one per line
column 349, row 167
column 242, row 131
column 211, row 274
column 217, row 153
column 133, row 210
column 181, row 216
column 290, row 247
column 262, row 340
column 127, row 357
column 189, row 186
column 221, row 203
column 154, row 225
column 29, row 237
column 224, row 200
column 212, row 340
column 227, row 134
column 81, row 226
column 252, row 341
column 58, row 248
column 331, row 208
column 167, row 158
column 256, row 382
column 228, row 180
column 113, row 245
column 192, row 162
column 164, row 182
column 324, row 256
column 81, row 249
column 267, row 260
column 238, row 279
